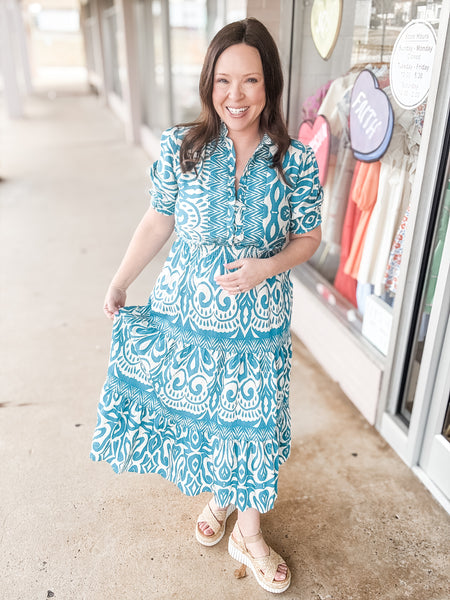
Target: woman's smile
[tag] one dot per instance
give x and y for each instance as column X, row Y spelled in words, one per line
column 239, row 94
column 237, row 112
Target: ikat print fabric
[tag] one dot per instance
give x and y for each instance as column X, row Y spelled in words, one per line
column 197, row 388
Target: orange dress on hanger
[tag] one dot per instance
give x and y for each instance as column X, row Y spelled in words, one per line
column 364, row 195
column 346, row 284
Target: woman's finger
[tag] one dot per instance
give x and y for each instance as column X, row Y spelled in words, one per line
column 237, row 264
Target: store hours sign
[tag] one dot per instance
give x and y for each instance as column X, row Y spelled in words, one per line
column 411, row 64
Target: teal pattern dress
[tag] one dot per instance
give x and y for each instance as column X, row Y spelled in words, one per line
column 197, row 388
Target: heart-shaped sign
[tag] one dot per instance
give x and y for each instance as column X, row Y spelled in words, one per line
column 317, row 135
column 371, row 118
column 326, row 16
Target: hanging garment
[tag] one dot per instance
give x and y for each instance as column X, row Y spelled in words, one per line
column 395, row 256
column 311, row 106
column 335, row 107
column 402, row 154
column 364, row 195
column 346, row 284
column 343, row 175
column 393, row 190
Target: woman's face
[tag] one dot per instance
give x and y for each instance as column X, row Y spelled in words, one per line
column 239, row 94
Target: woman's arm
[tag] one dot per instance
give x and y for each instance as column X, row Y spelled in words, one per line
column 252, row 271
column 150, row 236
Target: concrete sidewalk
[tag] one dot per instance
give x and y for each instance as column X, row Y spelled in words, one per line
column 352, row 520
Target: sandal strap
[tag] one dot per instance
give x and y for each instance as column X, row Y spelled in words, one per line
column 269, row 565
column 250, row 539
column 207, row 516
column 220, row 514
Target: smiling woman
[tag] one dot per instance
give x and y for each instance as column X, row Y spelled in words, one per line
column 263, row 59
column 239, row 93
column 198, row 383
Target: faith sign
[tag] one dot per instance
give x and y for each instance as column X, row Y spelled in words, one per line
column 371, row 118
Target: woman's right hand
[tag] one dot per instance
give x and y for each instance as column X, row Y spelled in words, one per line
column 115, row 298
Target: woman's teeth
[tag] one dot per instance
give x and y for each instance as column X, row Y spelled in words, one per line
column 237, row 111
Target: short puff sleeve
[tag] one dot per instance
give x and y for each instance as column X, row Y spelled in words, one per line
column 306, row 198
column 164, row 185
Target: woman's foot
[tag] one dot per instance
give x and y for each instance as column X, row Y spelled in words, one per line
column 219, row 515
column 210, row 526
column 258, row 549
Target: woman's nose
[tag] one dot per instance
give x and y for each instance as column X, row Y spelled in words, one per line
column 235, row 91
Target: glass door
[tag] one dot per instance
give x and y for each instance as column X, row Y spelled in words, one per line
column 433, row 269
column 154, row 62
column 113, row 82
column 435, row 455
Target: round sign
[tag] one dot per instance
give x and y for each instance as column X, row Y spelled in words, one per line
column 412, row 63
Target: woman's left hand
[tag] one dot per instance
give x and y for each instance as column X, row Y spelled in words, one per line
column 247, row 274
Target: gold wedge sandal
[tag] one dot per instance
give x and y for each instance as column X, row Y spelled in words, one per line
column 217, row 520
column 263, row 568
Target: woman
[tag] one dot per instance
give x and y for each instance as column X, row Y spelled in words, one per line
column 198, row 382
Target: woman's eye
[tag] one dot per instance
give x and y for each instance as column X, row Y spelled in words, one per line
column 252, row 80
column 222, row 80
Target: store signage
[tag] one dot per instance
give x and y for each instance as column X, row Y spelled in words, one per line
column 326, row 16
column 371, row 118
column 317, row 135
column 377, row 323
column 411, row 64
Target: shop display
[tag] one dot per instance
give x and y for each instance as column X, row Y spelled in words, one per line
column 373, row 146
column 365, row 201
column 378, row 283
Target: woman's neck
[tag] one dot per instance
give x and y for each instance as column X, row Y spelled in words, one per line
column 244, row 141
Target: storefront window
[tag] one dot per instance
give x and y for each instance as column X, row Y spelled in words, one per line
column 367, row 185
column 425, row 297
column 446, row 426
column 111, row 49
column 89, row 38
column 152, row 28
column 193, row 23
column 188, row 22
column 172, row 39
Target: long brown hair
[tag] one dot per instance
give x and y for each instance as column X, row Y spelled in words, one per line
column 207, row 127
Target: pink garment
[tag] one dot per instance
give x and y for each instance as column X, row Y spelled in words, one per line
column 310, row 107
column 364, row 195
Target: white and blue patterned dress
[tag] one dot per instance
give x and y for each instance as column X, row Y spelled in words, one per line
column 198, row 382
